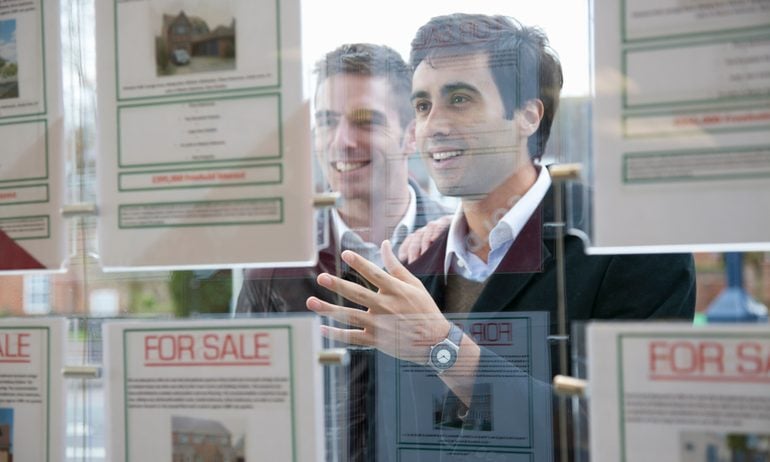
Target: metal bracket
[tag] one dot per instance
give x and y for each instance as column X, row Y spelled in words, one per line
column 325, row 200
column 565, row 172
column 82, row 209
column 81, row 372
column 570, row 386
column 334, row 357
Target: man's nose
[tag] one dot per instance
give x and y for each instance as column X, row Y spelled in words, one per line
column 437, row 123
column 344, row 135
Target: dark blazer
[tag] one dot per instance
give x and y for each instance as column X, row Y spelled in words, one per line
column 649, row 286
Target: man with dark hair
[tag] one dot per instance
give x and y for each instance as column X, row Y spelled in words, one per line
column 362, row 141
column 485, row 90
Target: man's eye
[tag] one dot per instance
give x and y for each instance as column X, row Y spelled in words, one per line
column 421, row 106
column 459, row 99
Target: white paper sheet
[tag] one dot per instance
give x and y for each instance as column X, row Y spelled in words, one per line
column 204, row 155
column 681, row 125
column 250, row 388
column 31, row 129
column 690, row 390
column 31, row 388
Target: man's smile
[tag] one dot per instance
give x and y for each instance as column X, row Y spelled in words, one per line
column 439, row 156
column 343, row 166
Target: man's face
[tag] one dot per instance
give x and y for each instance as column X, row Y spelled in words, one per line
column 460, row 127
column 358, row 138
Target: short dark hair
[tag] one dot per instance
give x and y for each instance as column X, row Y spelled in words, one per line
column 515, row 53
column 373, row 61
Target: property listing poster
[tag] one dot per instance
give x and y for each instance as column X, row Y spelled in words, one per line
column 31, row 389
column 204, row 154
column 31, row 157
column 681, row 125
column 510, row 416
column 246, row 389
column 700, row 393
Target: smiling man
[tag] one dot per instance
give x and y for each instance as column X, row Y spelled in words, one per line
column 485, row 91
column 362, row 144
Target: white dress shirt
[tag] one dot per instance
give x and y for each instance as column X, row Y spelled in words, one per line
column 349, row 239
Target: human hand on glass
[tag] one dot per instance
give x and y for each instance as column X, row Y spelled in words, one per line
column 401, row 318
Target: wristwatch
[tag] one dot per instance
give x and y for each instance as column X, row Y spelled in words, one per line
column 443, row 355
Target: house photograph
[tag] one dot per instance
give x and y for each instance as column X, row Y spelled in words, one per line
column 191, row 41
column 9, row 67
column 6, row 435
column 204, row 440
column 724, row 447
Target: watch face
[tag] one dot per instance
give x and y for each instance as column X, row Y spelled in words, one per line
column 443, row 357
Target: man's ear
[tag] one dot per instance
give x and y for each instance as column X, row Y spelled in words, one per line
column 530, row 116
column 409, row 141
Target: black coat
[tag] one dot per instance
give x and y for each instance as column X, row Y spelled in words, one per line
column 648, row 286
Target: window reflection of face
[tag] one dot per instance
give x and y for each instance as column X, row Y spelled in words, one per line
column 358, row 138
column 461, row 132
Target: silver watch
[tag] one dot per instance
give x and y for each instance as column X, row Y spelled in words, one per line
column 443, row 355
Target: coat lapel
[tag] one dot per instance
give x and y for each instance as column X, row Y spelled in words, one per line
column 525, row 260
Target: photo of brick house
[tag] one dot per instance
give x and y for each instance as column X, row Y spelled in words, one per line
column 189, row 42
column 480, row 418
column 5, row 444
column 723, row 447
column 195, row 439
column 9, row 61
column 6, row 435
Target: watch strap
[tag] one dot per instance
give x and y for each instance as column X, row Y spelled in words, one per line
column 455, row 334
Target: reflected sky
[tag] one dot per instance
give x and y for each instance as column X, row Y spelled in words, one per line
column 330, row 23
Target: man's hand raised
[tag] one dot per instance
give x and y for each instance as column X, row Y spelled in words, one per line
column 401, row 319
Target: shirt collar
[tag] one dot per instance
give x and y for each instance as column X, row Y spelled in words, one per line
column 502, row 234
column 511, row 224
column 403, row 228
